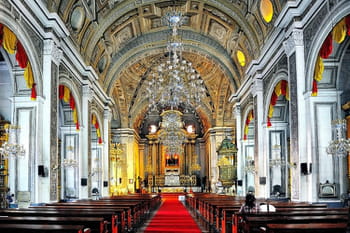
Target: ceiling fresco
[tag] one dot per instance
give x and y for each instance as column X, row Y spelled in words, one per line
column 124, row 39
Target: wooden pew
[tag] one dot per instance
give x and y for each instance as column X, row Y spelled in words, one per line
column 95, row 224
column 308, row 227
column 42, row 228
column 109, row 216
column 254, row 223
column 239, row 220
column 134, row 206
column 123, row 213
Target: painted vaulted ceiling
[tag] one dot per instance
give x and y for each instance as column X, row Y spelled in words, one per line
column 122, row 39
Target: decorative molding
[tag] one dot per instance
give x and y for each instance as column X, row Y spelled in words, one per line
column 298, row 37
column 87, row 92
column 107, row 114
column 50, row 48
column 257, row 86
column 295, row 39
column 289, row 46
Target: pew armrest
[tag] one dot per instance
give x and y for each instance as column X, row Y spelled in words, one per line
column 262, row 230
column 87, row 230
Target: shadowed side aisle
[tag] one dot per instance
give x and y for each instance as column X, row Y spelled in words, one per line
column 172, row 217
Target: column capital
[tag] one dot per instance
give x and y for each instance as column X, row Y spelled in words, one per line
column 107, row 114
column 257, row 87
column 237, row 109
column 296, row 38
column 51, row 48
column 87, row 92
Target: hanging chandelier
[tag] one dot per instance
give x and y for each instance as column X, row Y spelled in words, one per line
column 70, row 160
column 174, row 81
column 172, row 135
column 340, row 145
column 10, row 148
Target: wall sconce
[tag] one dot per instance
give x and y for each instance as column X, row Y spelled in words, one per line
column 190, row 129
column 153, row 129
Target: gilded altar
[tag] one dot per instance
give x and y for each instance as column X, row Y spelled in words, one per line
column 171, row 153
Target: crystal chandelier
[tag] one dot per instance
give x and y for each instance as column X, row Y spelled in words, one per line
column 174, row 81
column 70, row 161
column 250, row 165
column 10, row 148
column 340, row 145
column 172, row 134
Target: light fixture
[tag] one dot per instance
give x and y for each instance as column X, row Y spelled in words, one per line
column 69, row 161
column 10, row 148
column 172, row 135
column 190, row 129
column 250, row 165
column 174, row 81
column 152, row 129
column 340, row 145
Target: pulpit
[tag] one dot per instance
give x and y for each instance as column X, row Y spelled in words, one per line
column 227, row 162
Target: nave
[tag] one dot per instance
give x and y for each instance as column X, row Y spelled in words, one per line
column 126, row 100
column 176, row 212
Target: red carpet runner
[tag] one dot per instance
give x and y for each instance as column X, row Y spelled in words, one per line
column 172, row 217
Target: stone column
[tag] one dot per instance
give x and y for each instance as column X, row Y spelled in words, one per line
column 154, row 146
column 107, row 117
column 346, row 108
column 260, row 134
column 85, row 139
column 299, row 115
column 48, row 121
column 142, row 158
column 240, row 154
column 213, row 160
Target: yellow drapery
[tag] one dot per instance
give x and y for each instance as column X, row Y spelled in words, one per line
column 319, row 68
column 28, row 75
column 66, row 95
column 9, row 40
column 339, row 31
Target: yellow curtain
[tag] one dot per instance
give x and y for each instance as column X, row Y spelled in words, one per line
column 98, row 133
column 9, row 40
column 271, row 111
column 278, row 89
column 93, row 120
column 287, row 92
column 28, row 75
column 246, row 129
column 250, row 116
column 75, row 116
column 339, row 31
column 319, row 68
column 66, row 95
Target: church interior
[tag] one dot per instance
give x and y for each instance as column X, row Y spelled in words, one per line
column 117, row 98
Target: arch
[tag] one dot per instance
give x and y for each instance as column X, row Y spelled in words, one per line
column 336, row 15
column 95, row 121
column 69, row 94
column 7, row 19
column 118, row 13
column 140, row 46
column 278, row 87
column 248, row 116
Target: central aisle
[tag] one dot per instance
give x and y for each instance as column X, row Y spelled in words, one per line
column 172, row 216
